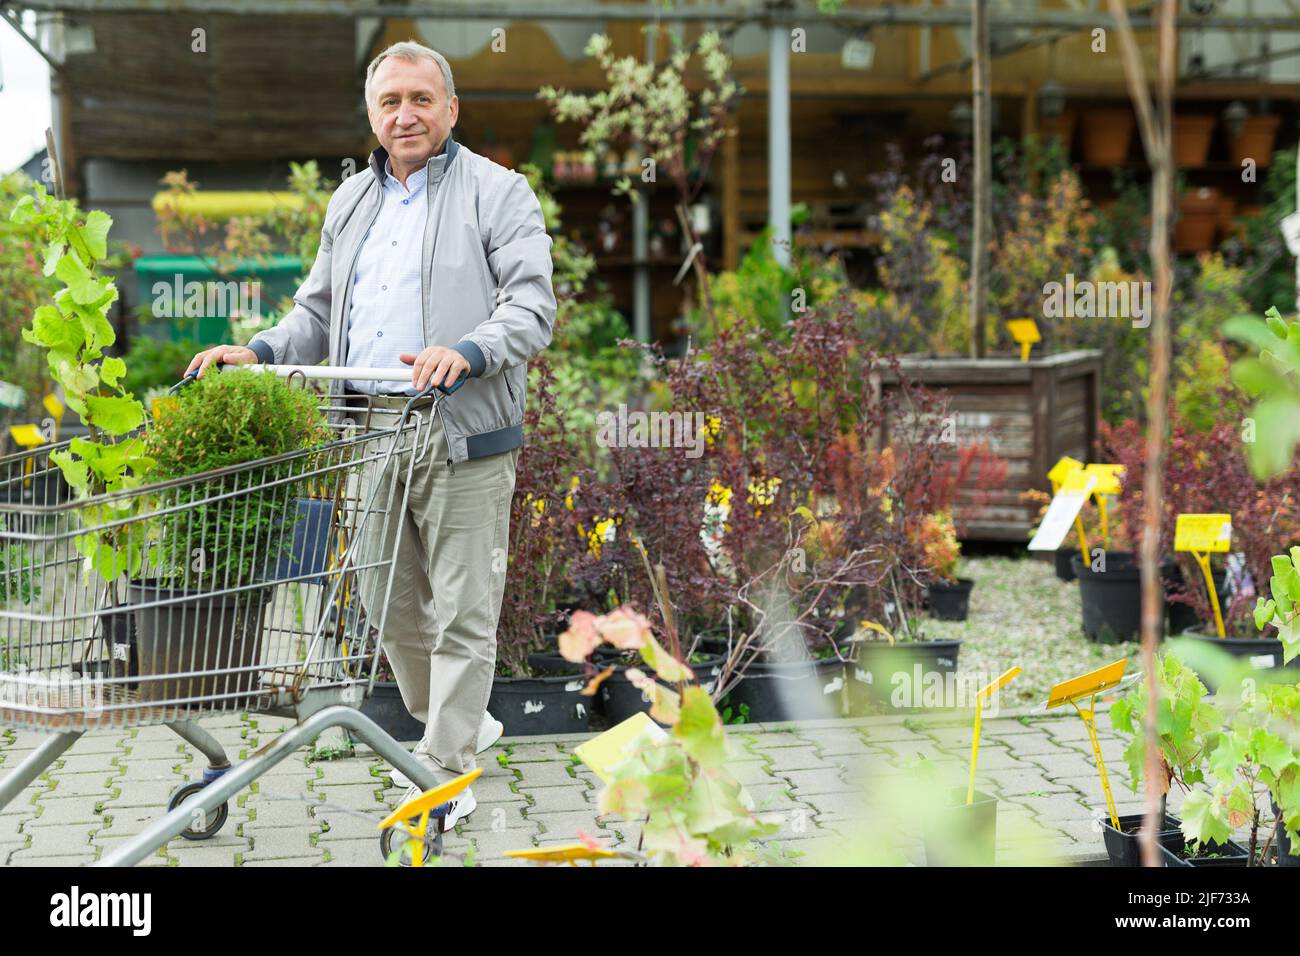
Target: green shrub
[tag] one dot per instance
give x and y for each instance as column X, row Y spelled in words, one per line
column 227, row 419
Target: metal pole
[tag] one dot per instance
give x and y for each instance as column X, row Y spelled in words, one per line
column 983, row 176
column 778, row 141
column 641, row 233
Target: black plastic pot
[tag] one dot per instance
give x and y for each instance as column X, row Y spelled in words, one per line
column 950, row 602
column 896, row 677
column 1264, row 653
column 1111, row 599
column 181, row 631
column 310, row 551
column 1122, row 845
column 528, row 706
column 796, row 690
column 1173, row 846
column 385, row 707
column 976, row 838
column 118, row 641
column 1064, row 570
column 620, row 699
column 1284, row 857
column 1181, row 616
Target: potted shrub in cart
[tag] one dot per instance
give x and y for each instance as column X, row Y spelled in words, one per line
column 1184, row 719
column 231, row 448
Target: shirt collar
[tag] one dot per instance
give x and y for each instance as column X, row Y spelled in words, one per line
column 434, row 169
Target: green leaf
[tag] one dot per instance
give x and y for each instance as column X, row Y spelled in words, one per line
column 1263, row 613
column 76, row 472
column 51, row 329
column 79, row 380
column 1200, row 822
column 115, row 415
column 111, row 371
column 700, row 729
column 95, row 232
column 82, row 285
column 53, row 253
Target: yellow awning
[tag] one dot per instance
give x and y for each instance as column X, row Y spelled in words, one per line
column 224, row 205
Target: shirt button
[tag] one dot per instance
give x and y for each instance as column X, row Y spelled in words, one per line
column 406, row 202
column 394, row 242
column 384, row 288
column 379, row 335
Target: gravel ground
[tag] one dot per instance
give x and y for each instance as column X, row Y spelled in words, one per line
column 1021, row 613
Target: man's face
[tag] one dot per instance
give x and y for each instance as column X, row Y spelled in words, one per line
column 410, row 114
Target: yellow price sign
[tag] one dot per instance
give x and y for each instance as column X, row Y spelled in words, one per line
column 1087, row 685
column 1090, row 685
column 1203, row 533
column 29, row 436
column 567, row 853
column 1025, row 333
column 984, row 694
column 602, row 754
column 1108, row 478
column 1063, row 469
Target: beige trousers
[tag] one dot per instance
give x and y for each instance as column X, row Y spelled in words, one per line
column 441, row 621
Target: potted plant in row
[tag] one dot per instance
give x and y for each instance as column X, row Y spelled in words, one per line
column 1183, row 718
column 1236, row 758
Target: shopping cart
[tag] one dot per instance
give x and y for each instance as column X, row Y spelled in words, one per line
column 264, row 588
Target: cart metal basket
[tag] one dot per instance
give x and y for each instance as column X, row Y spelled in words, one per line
column 263, row 588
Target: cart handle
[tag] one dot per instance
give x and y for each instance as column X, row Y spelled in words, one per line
column 350, row 373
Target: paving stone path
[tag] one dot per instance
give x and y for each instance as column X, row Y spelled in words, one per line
column 320, row 809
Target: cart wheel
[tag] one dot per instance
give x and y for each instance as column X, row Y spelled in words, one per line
column 395, row 837
column 215, row 820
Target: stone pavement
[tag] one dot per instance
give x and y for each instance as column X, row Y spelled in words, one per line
column 321, row 809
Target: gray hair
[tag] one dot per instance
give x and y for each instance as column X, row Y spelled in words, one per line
column 410, row 50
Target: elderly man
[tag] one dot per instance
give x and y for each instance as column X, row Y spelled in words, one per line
column 438, row 258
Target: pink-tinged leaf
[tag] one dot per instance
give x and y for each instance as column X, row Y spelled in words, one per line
column 625, row 629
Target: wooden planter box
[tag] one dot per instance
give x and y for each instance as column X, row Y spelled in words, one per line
column 1030, row 413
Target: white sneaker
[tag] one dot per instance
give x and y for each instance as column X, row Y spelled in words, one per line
column 461, row 806
column 489, row 732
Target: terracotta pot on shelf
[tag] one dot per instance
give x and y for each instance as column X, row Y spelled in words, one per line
column 1062, row 127
column 1198, row 216
column 1106, row 136
column 1227, row 211
column 1192, row 140
column 1255, row 142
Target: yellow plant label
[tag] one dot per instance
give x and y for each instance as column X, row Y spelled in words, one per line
column 1065, row 507
column 1063, row 468
column 53, row 406
column 1108, row 478
column 1203, row 533
column 1006, row 678
column 1088, row 684
column 602, row 754
column 1024, row 331
column 29, row 436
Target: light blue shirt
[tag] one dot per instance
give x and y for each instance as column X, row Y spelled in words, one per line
column 385, row 317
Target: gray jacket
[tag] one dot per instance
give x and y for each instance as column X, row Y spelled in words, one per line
column 486, row 284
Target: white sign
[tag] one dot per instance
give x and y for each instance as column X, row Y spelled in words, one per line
column 1291, row 233
column 1062, row 511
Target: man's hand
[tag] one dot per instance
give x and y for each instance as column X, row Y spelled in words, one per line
column 437, row 365
column 223, row 355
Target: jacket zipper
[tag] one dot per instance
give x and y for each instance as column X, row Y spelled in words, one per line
column 352, row 271
column 510, row 390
